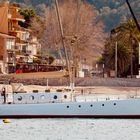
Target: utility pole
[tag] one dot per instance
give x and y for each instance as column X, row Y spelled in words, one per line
column 131, row 59
column 116, row 59
column 103, row 69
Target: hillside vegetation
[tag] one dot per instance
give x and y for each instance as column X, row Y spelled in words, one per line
column 112, row 12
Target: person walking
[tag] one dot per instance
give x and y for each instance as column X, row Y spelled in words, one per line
column 4, row 94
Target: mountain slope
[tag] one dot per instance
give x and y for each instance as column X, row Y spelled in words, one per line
column 111, row 12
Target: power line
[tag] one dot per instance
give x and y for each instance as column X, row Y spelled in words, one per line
column 133, row 15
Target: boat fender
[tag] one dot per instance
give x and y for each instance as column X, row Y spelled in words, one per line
column 7, row 121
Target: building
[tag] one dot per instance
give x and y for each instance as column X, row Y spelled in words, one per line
column 17, row 44
column 7, row 44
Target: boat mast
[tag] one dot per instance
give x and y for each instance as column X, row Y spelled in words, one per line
column 64, row 47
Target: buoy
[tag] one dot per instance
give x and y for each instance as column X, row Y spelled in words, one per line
column 7, row 121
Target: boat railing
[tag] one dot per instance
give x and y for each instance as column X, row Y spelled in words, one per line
column 96, row 98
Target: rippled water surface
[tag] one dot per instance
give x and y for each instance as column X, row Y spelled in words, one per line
column 70, row 129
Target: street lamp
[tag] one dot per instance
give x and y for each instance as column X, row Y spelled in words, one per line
column 14, row 62
column 116, row 59
column 114, row 34
column 103, row 69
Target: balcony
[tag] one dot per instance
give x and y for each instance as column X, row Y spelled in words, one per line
column 13, row 15
column 17, row 29
column 12, row 50
column 23, row 52
column 28, row 52
column 21, row 42
column 20, row 52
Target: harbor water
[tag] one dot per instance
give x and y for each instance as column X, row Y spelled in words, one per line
column 70, row 129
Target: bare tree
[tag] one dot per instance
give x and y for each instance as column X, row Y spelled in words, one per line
column 83, row 32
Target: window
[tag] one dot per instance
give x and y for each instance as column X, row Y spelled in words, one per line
column 42, row 97
column 114, row 103
column 91, row 105
column 55, row 97
column 19, row 98
column 10, row 25
column 103, row 105
column 25, row 36
column 68, row 106
column 24, row 48
column 32, row 97
column 65, row 96
column 16, row 47
column 79, row 106
column 10, row 44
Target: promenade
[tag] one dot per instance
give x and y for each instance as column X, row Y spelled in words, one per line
column 59, row 80
column 87, row 85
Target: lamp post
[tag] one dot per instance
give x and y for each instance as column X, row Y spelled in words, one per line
column 103, row 69
column 14, row 62
column 116, row 59
column 96, row 68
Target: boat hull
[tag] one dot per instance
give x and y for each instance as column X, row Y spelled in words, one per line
column 102, row 109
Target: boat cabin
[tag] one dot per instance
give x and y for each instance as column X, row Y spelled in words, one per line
column 34, row 98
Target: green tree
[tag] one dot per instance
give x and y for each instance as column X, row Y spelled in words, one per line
column 127, row 37
column 28, row 14
column 123, row 60
column 130, row 37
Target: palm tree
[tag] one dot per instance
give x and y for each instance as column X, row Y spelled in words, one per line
column 128, row 35
column 123, row 60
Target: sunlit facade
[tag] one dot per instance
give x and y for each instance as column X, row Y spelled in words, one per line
column 17, row 44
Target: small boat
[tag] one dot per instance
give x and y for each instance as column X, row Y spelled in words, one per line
column 7, row 121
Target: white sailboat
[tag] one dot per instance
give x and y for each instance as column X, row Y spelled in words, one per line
column 64, row 104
